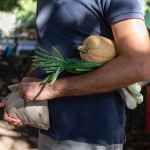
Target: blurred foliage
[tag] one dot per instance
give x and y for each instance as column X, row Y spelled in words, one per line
column 26, row 15
column 146, row 5
column 1, row 33
column 26, row 12
column 9, row 5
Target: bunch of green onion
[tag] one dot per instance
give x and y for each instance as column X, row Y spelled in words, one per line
column 55, row 65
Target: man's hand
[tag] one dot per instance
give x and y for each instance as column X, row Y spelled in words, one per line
column 31, row 89
column 10, row 120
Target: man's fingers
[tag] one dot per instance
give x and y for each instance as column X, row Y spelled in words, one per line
column 3, row 102
column 27, row 100
column 16, row 124
column 9, row 119
column 12, row 121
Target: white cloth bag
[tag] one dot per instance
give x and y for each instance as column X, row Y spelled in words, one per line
column 34, row 113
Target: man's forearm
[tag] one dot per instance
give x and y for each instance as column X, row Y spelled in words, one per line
column 131, row 65
column 112, row 76
column 118, row 73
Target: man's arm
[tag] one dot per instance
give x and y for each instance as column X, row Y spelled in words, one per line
column 131, row 65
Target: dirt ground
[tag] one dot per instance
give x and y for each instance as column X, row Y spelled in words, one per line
column 25, row 138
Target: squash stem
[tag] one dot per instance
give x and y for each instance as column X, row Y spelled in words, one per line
column 83, row 47
column 84, row 51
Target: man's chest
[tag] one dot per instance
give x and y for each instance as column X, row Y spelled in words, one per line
column 72, row 15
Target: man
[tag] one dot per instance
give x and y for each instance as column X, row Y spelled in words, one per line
column 86, row 112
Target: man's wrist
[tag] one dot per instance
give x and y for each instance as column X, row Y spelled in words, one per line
column 51, row 91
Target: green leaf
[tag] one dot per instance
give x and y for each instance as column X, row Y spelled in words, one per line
column 42, row 54
column 48, row 78
column 56, row 75
column 45, row 51
column 57, row 52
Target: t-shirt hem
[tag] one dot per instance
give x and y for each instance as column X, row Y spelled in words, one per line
column 89, row 140
column 126, row 16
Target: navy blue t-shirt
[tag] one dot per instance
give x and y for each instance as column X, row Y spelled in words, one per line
column 100, row 118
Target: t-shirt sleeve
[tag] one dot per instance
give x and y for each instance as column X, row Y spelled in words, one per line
column 117, row 10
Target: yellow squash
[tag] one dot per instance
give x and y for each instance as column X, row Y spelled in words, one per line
column 97, row 49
